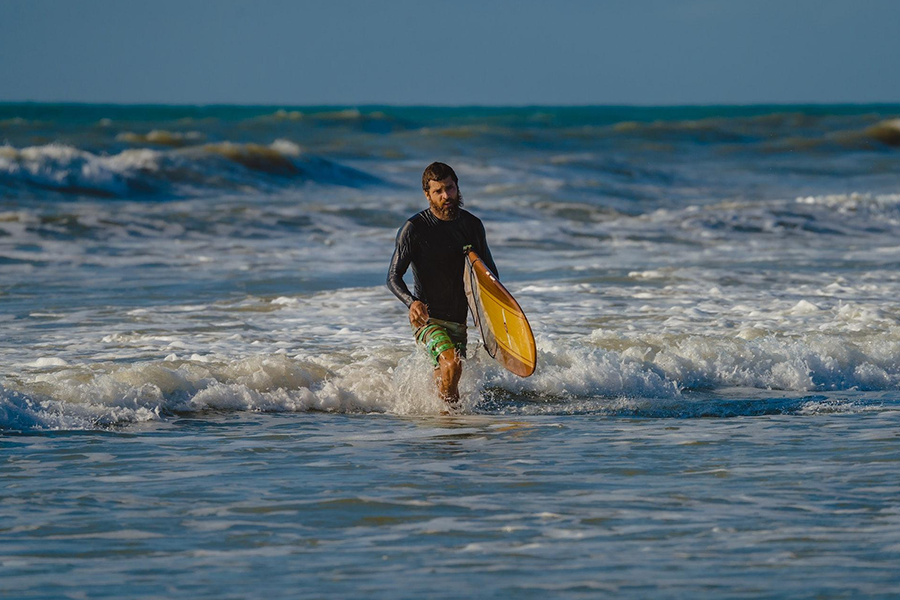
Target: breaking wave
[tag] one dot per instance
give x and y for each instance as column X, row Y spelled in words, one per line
column 886, row 132
column 650, row 376
column 187, row 171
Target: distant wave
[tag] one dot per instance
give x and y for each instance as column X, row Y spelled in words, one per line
column 704, row 130
column 349, row 118
column 162, row 137
column 277, row 159
column 886, row 132
column 182, row 171
column 882, row 135
column 16, row 122
column 720, row 129
column 788, row 132
column 348, row 114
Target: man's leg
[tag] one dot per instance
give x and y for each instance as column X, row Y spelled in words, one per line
column 447, row 376
column 446, row 343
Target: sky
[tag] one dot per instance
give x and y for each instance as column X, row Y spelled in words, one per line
column 421, row 52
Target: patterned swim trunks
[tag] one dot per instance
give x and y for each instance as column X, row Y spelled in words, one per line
column 439, row 336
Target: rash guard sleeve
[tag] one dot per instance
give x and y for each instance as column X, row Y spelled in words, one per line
column 400, row 263
column 483, row 251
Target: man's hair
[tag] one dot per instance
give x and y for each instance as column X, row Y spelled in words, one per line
column 437, row 171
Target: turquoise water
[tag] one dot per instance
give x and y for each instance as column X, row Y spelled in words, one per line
column 207, row 391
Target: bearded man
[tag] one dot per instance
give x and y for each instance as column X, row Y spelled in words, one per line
column 432, row 241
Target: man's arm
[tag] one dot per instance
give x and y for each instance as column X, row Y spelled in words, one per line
column 483, row 251
column 399, row 264
column 418, row 311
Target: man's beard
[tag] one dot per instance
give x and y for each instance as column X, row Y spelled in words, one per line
column 451, row 211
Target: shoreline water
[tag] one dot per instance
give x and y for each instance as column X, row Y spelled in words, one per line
column 320, row 504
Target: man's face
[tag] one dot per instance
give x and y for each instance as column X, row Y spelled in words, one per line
column 443, row 197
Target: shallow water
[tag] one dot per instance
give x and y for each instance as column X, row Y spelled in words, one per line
column 245, row 505
column 206, row 389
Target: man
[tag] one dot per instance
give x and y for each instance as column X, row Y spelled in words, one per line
column 432, row 241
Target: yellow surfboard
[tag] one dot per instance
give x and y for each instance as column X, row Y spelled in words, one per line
column 504, row 328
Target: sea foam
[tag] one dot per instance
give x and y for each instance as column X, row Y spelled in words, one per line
column 652, row 372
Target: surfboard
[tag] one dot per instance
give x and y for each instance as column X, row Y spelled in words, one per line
column 505, row 331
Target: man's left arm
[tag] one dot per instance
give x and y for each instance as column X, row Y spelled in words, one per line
column 484, row 252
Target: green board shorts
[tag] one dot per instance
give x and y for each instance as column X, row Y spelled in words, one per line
column 439, row 336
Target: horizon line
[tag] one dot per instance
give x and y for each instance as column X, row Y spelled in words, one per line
column 441, row 106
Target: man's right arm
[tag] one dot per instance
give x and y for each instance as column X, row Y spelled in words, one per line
column 400, row 263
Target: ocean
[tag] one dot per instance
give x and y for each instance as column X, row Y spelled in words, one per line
column 207, row 390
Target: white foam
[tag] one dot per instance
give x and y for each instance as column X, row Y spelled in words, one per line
column 804, row 307
column 287, row 147
column 48, row 362
column 884, row 207
column 61, row 166
column 812, row 362
column 574, row 370
column 80, row 397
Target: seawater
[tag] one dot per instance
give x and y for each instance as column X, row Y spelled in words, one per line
column 207, row 391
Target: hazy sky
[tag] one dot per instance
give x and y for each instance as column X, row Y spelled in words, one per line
column 461, row 52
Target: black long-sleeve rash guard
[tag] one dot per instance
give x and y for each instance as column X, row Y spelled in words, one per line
column 435, row 250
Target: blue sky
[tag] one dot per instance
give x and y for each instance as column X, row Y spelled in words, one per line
column 450, row 53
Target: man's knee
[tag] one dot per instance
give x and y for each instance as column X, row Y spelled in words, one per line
column 450, row 362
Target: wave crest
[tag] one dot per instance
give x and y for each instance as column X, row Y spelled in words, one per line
column 162, row 137
column 886, row 132
column 276, row 159
column 179, row 172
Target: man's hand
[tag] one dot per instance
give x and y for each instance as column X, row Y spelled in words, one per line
column 418, row 313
